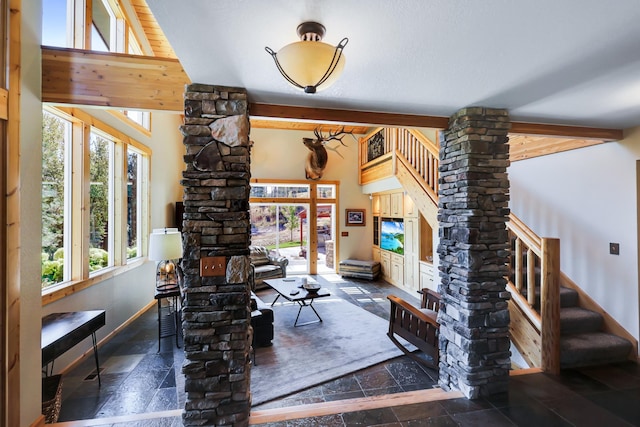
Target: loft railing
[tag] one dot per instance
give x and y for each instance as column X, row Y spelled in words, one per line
column 383, row 144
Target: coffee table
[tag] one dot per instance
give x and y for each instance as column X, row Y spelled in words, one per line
column 291, row 289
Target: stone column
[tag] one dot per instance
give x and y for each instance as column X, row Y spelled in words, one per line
column 215, row 316
column 474, row 251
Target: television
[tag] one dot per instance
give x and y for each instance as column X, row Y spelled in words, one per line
column 392, row 235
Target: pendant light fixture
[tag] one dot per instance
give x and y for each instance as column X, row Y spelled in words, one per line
column 310, row 64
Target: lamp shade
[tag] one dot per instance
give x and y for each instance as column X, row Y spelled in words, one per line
column 307, row 63
column 310, row 64
column 165, row 244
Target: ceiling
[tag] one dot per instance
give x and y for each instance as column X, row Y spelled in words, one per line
column 574, row 62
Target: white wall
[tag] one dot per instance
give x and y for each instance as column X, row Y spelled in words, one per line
column 587, row 198
column 278, row 154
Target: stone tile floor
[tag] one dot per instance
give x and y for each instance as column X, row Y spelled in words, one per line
column 136, row 379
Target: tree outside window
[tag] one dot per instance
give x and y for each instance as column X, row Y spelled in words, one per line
column 55, row 135
column 99, row 197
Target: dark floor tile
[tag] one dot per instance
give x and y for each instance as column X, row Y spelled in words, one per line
column 533, row 414
column 419, row 411
column 580, row 383
column 143, row 381
column 375, row 379
column 156, row 422
column 369, row 418
column 486, row 417
column 124, row 403
column 324, row 421
column 443, row 421
column 624, row 403
column 155, row 361
column 619, row 376
column 582, row 412
column 541, row 387
column 407, row 372
column 382, row 391
column 461, row 405
column 81, row 408
column 344, row 396
column 164, row 399
column 341, row 385
column 515, row 396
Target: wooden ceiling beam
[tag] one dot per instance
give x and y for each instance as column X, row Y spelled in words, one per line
column 82, row 77
column 409, row 120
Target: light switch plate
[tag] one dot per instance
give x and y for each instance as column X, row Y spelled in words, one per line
column 213, row 266
column 614, row 248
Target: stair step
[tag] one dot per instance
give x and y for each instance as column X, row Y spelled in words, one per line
column 568, row 297
column 576, row 320
column 589, row 349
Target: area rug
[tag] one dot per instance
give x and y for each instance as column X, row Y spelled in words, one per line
column 349, row 339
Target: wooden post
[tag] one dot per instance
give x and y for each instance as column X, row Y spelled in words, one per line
column 550, row 305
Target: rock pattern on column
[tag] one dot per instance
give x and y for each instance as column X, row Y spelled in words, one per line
column 474, row 250
column 216, row 222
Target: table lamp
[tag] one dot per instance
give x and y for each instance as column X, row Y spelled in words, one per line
column 165, row 246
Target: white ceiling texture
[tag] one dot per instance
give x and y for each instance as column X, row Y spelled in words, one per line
column 574, row 62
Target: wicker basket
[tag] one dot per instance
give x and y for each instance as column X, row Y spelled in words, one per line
column 51, row 398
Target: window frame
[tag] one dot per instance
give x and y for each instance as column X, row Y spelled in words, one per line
column 82, row 126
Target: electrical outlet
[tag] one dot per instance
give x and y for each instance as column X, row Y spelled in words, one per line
column 213, row 266
column 614, row 248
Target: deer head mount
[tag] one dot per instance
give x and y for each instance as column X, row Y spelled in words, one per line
column 318, row 146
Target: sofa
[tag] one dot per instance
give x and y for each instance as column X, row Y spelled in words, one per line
column 265, row 266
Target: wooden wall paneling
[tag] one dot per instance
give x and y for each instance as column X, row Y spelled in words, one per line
column 11, row 170
column 4, row 104
column 523, row 147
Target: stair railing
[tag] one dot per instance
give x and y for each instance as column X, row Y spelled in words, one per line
column 536, row 261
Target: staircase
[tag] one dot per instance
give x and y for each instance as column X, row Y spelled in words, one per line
column 583, row 341
column 587, row 335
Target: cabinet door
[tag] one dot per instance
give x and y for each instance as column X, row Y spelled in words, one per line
column 385, row 204
column 397, row 202
column 385, row 264
column 426, row 276
column 397, row 270
column 376, row 254
column 410, row 209
column 375, row 205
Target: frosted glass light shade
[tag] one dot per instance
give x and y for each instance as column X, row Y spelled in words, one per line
column 310, row 64
column 165, row 245
column 306, row 62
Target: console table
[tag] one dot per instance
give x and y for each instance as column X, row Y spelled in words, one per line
column 62, row 331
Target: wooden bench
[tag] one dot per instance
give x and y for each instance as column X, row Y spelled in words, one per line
column 418, row 326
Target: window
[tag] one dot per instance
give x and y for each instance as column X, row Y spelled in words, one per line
column 95, row 198
column 100, row 208
column 63, row 25
column 134, row 163
column 142, row 118
column 56, row 137
column 55, row 26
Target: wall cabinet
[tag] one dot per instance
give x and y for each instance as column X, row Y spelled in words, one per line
column 375, row 254
column 427, row 273
column 375, row 204
column 411, row 253
column 397, row 205
column 397, row 269
column 385, row 205
column 410, row 209
column 385, row 265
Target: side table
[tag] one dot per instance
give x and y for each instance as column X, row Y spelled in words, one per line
column 168, row 329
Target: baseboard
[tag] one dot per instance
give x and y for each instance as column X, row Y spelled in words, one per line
column 106, row 339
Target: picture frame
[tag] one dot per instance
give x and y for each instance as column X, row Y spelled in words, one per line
column 355, row 217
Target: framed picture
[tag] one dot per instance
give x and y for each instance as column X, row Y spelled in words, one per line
column 355, row 217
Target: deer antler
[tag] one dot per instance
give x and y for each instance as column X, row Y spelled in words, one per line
column 338, row 135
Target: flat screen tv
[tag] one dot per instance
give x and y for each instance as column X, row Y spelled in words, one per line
column 392, row 235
